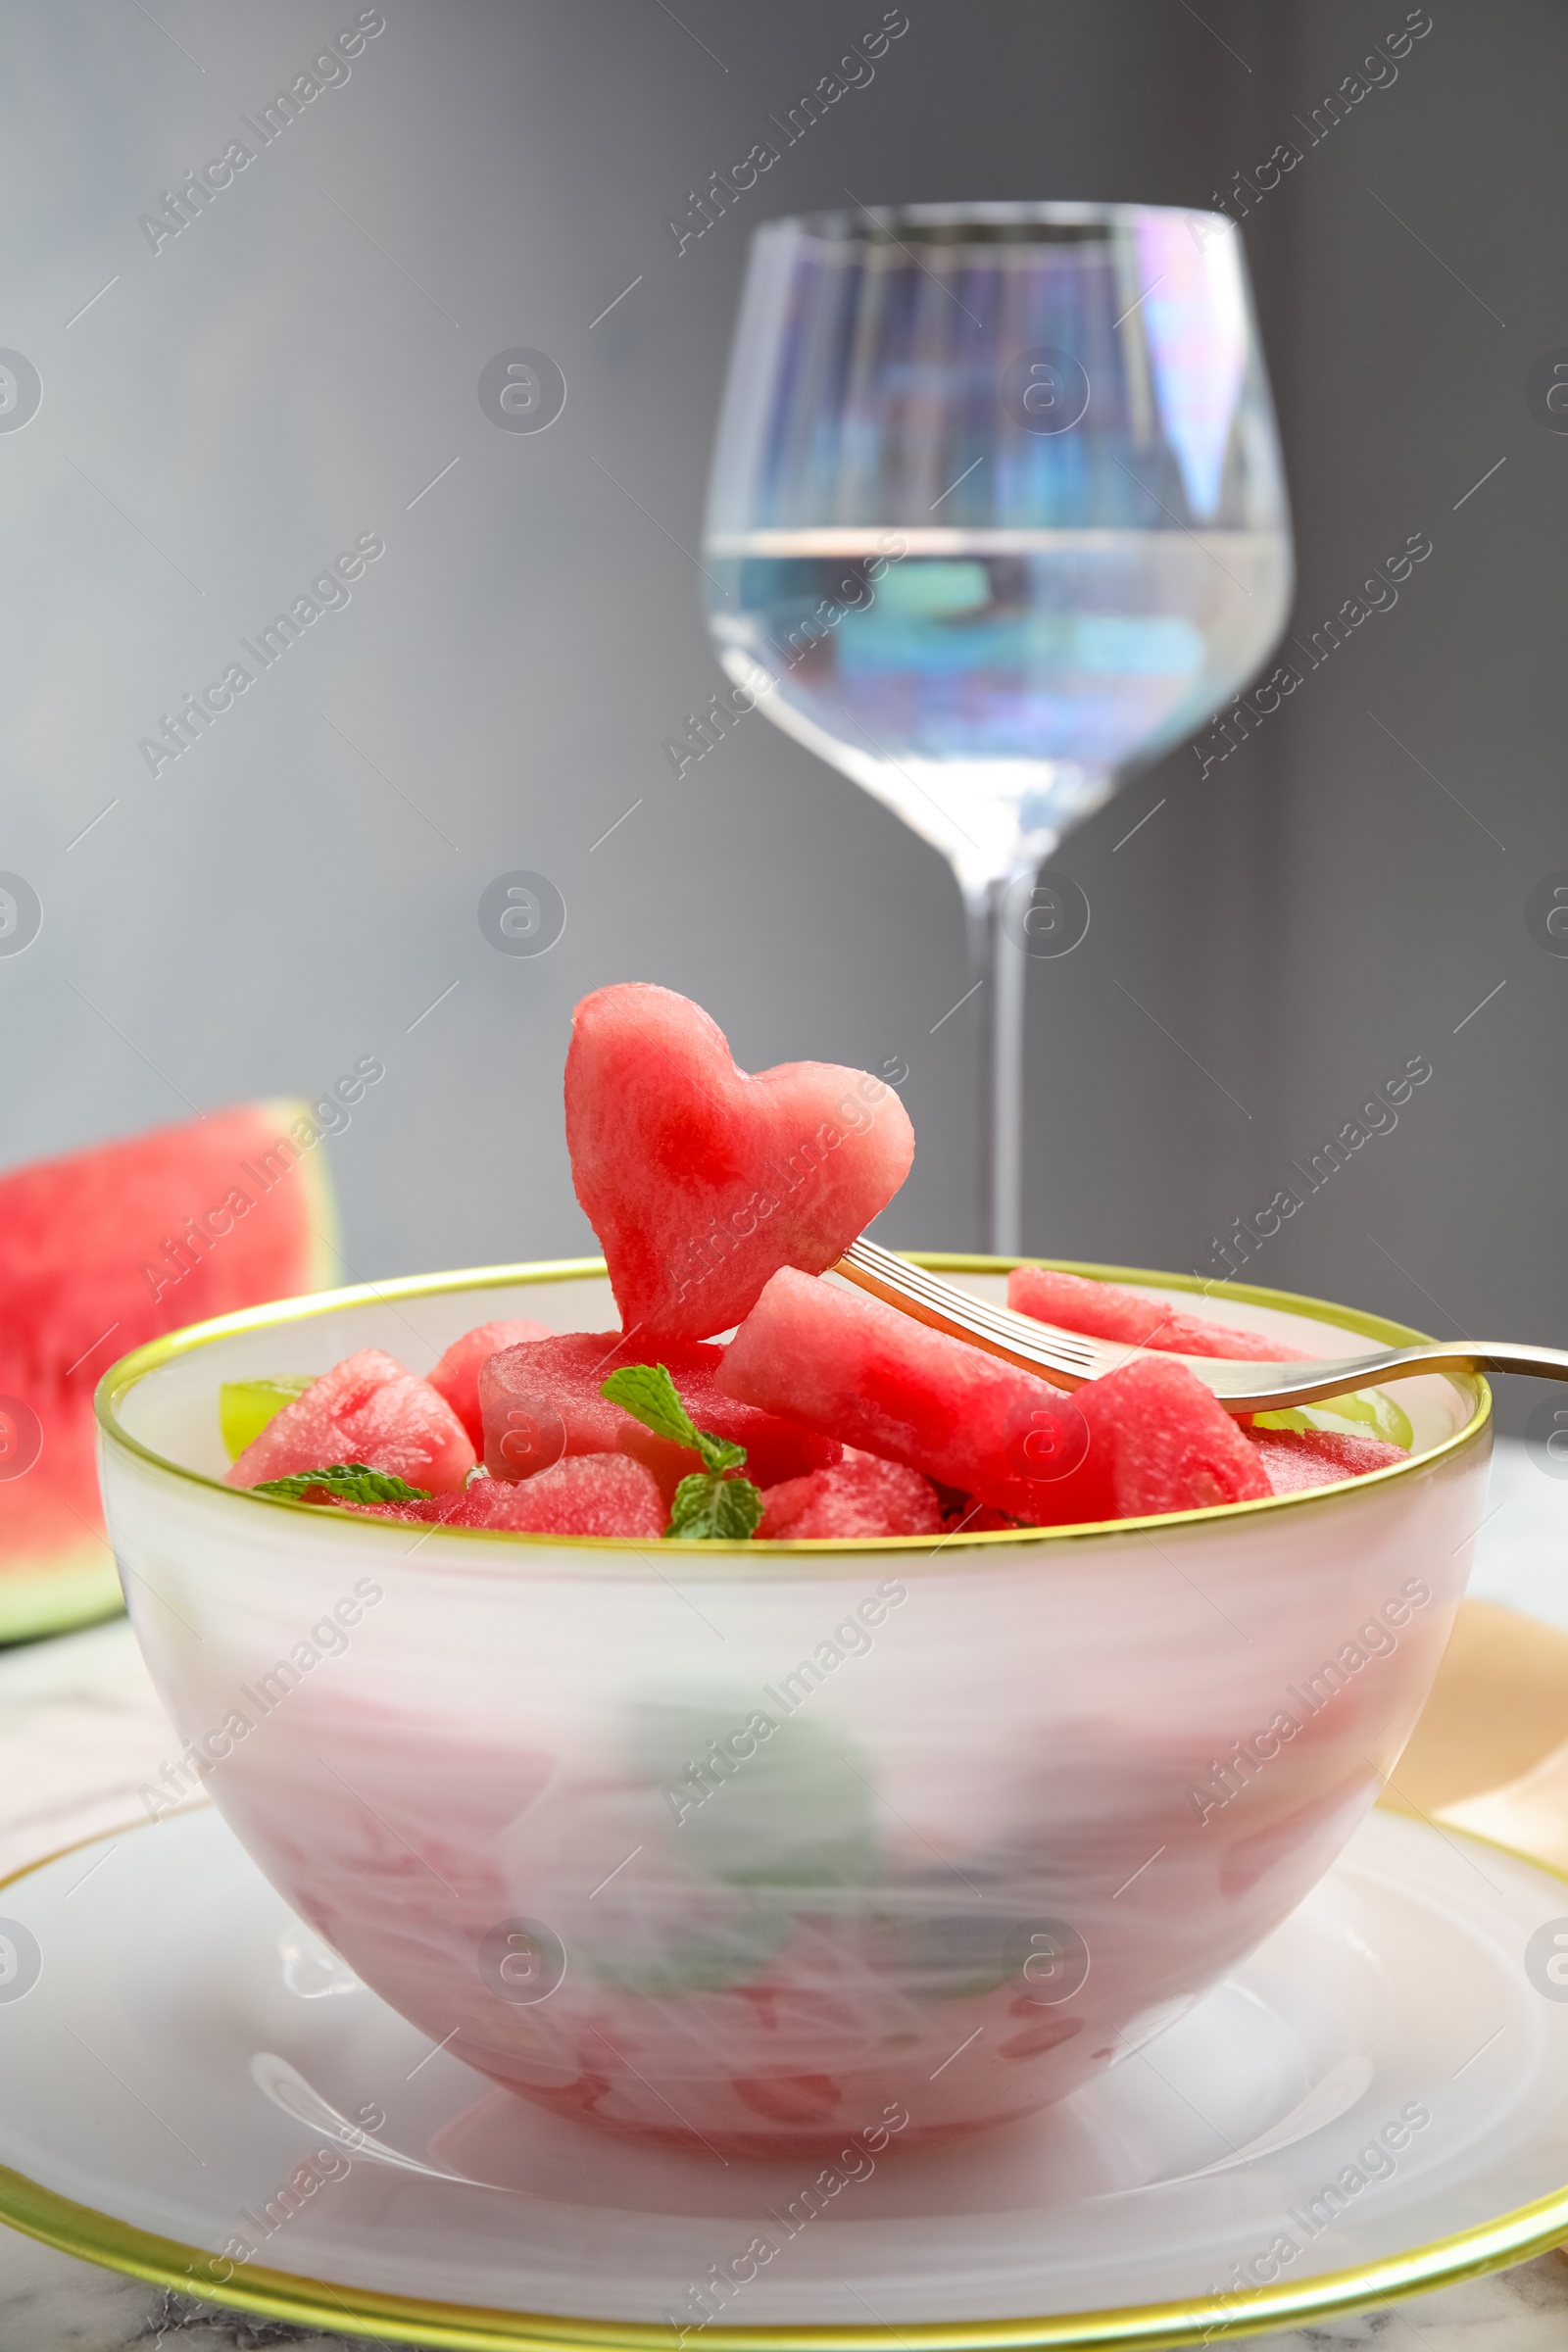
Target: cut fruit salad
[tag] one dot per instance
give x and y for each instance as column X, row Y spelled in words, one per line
column 720, row 1200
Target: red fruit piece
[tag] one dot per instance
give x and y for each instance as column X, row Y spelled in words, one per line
column 1167, row 1440
column 702, row 1181
column 790, row 2098
column 587, row 1495
column 860, row 1497
column 366, row 1410
column 1319, row 1457
column 542, row 1399
column 456, row 1376
column 1105, row 1312
column 844, row 1362
column 1046, row 2035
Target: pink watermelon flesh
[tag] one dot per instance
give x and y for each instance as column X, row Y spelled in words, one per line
column 1295, row 1459
column 702, row 1181
column 366, row 1410
column 456, row 1376
column 845, row 1363
column 97, row 1255
column 585, row 1495
column 1102, row 1310
column 542, row 1398
column 1168, row 1443
column 858, row 1498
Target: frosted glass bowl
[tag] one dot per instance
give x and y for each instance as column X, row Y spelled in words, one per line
column 766, row 1847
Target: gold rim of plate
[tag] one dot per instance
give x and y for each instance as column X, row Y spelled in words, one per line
column 123, row 1376
column 98, row 2237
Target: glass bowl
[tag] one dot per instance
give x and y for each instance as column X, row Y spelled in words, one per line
column 770, row 1846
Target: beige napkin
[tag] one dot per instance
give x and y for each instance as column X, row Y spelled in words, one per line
column 1490, row 1750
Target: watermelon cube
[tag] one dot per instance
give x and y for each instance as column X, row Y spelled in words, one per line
column 456, row 1376
column 859, row 1498
column 1319, row 1457
column 542, row 1399
column 366, row 1410
column 702, row 1181
column 584, row 1494
column 851, row 1366
column 1104, row 1310
column 1168, row 1442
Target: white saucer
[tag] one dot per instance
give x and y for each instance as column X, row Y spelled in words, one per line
column 187, row 2050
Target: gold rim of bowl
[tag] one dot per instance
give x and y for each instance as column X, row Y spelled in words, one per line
column 123, row 1376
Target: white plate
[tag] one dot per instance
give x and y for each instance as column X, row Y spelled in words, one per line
column 189, row 2052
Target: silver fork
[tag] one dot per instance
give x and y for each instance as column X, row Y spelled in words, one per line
column 1067, row 1359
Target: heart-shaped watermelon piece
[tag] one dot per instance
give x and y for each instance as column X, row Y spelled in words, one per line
column 702, row 1181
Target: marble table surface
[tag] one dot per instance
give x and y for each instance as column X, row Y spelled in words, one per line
column 81, row 1729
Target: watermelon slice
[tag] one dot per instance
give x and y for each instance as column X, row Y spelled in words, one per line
column 366, row 1410
column 586, row 1495
column 456, row 1376
column 102, row 1250
column 700, row 1181
column 860, row 1497
column 1168, row 1442
column 542, row 1399
column 1102, row 1310
column 1319, row 1457
column 849, row 1364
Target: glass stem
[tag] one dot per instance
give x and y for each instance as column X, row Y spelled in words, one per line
column 998, row 963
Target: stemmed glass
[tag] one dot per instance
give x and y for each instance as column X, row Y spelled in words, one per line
column 997, row 509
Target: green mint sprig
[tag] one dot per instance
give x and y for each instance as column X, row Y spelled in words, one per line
column 344, row 1481
column 714, row 1511
column 709, row 1506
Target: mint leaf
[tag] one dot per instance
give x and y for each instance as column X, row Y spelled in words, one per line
column 801, row 1811
column 344, row 1481
column 650, row 1396
column 709, row 1507
column 714, row 1509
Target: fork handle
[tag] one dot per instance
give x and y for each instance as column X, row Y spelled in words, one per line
column 1252, row 1387
column 1487, row 1355
column 1458, row 1356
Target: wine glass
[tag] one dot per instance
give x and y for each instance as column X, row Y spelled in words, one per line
column 997, row 508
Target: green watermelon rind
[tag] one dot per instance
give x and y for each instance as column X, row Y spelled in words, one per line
column 72, row 1588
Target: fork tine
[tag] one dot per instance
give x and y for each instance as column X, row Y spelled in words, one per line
column 975, row 1314
column 1064, row 1358
column 1005, row 1321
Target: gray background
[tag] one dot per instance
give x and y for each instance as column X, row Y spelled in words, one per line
column 286, row 374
